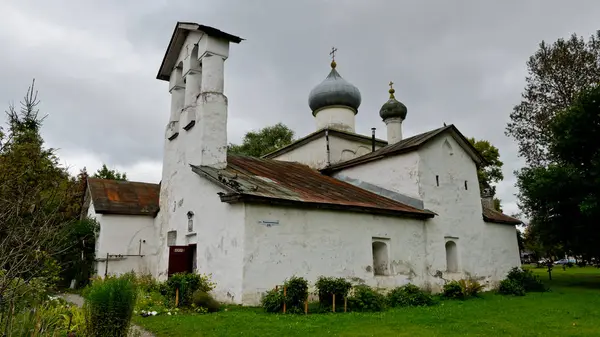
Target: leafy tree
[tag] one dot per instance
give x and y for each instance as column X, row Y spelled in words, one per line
column 563, row 199
column 35, row 199
column 557, row 72
column 491, row 172
column 266, row 140
column 105, row 173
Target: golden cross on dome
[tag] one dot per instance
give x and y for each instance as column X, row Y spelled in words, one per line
column 391, row 85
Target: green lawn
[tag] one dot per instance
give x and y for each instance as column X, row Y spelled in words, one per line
column 571, row 308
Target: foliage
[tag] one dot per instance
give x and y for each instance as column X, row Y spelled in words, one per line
column 453, row 290
column 510, row 287
column 272, row 301
column 105, row 173
column 109, row 305
column 490, row 172
column 557, row 73
column 526, row 279
column 327, row 286
column 562, row 199
column 571, row 310
column 409, row 296
column 77, row 262
column 263, row 141
column 470, row 287
column 187, row 283
column 202, row 299
column 293, row 293
column 365, row 298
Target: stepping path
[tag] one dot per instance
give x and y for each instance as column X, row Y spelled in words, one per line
column 78, row 301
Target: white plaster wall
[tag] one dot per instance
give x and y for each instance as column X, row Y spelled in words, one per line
column 218, row 226
column 398, row 173
column 314, row 153
column 311, row 243
column 340, row 118
column 121, row 234
column 485, row 250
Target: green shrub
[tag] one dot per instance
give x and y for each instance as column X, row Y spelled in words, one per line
column 453, row 290
column 526, row 279
column 202, row 299
column 109, row 305
column 273, row 301
column 327, row 286
column 296, row 293
column 409, row 296
column 511, row 287
column 365, row 298
column 187, row 283
column 470, row 287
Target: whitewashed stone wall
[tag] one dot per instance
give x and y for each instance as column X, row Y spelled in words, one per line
column 311, row 243
column 121, row 234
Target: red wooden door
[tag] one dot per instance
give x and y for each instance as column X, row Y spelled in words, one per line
column 179, row 260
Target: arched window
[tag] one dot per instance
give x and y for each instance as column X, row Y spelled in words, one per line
column 451, row 257
column 380, row 258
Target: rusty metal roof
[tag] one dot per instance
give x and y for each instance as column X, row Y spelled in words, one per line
column 249, row 179
column 491, row 215
column 408, row 145
column 124, row 197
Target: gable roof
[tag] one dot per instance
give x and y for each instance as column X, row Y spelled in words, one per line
column 321, row 133
column 491, row 215
column 178, row 39
column 408, row 145
column 124, row 197
column 258, row 180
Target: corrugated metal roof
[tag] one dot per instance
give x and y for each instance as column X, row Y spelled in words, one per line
column 124, row 197
column 406, row 145
column 273, row 181
column 491, row 215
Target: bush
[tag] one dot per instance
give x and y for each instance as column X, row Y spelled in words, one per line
column 511, row 287
column 453, row 290
column 109, row 305
column 409, row 296
column 202, row 299
column 470, row 287
column 296, row 293
column 273, row 301
column 526, row 279
column 365, row 298
column 187, row 283
column 327, row 286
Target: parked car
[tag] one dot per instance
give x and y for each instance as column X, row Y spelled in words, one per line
column 565, row 261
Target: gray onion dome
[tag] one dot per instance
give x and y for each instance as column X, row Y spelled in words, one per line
column 393, row 108
column 334, row 90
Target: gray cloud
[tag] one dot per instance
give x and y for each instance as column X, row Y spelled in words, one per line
column 460, row 62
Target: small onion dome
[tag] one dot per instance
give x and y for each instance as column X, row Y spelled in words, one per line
column 334, row 90
column 393, row 108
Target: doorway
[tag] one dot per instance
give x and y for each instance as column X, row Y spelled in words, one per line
column 182, row 259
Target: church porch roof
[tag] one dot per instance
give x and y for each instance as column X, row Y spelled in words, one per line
column 123, row 197
column 257, row 180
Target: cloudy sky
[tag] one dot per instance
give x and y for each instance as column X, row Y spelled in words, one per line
column 95, row 63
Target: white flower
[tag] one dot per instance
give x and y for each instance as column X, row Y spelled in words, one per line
column 168, row 313
column 154, row 313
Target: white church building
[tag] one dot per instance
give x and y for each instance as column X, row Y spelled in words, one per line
column 333, row 203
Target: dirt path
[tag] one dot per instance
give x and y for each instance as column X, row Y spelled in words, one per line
column 78, row 300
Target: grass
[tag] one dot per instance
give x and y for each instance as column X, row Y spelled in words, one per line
column 571, row 308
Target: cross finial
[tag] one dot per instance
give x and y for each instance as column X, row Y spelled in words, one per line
column 332, row 53
column 392, row 91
